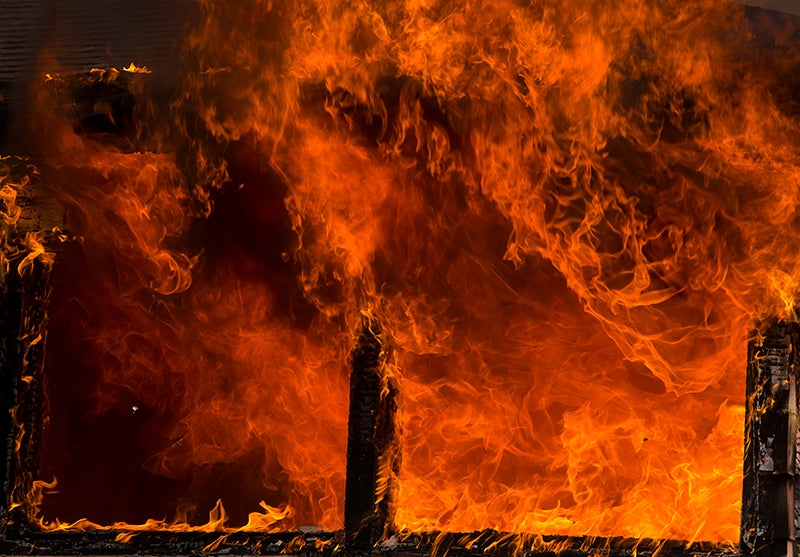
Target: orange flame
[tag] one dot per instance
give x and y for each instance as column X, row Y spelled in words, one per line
column 566, row 216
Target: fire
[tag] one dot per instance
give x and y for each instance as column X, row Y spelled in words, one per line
column 567, row 216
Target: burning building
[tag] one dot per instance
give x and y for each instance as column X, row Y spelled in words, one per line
column 451, row 266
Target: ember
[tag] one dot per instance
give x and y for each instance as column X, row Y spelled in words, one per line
column 566, row 219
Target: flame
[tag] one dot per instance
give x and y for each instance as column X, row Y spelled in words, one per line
column 133, row 68
column 20, row 245
column 566, row 216
column 217, row 517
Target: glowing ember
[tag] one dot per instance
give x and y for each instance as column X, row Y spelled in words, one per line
column 566, row 215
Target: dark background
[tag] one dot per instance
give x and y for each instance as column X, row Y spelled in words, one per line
column 82, row 34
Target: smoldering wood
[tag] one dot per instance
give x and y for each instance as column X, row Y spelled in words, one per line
column 371, row 456
column 769, row 472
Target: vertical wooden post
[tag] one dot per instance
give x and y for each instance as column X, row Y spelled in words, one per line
column 10, row 325
column 32, row 293
column 29, row 222
column 768, row 493
column 371, row 446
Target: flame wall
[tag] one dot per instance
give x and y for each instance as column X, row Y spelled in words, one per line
column 567, row 216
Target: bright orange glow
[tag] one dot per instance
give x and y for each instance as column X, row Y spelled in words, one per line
column 566, row 215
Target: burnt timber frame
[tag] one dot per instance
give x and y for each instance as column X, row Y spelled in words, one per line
column 369, row 529
column 372, row 463
column 769, row 518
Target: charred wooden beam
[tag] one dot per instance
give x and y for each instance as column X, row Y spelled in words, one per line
column 768, row 493
column 325, row 544
column 10, row 325
column 31, row 291
column 28, row 232
column 371, row 446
